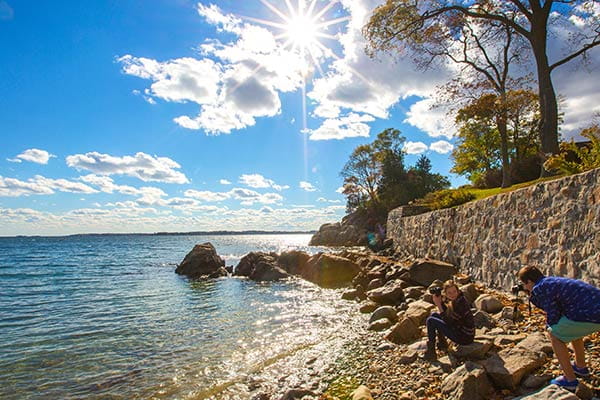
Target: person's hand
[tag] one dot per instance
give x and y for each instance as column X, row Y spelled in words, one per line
column 437, row 300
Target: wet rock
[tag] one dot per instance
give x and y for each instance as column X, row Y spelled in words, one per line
column 551, row 392
column 259, row 266
column 509, row 366
column 468, row 382
column 375, row 283
column 329, row 270
column 202, row 262
column 425, row 271
column 380, row 325
column 297, row 394
column 362, row 393
column 476, row 350
column 352, row 294
column 537, row 342
column 390, row 294
column 293, row 261
column 488, row 303
column 403, row 332
column 388, row 312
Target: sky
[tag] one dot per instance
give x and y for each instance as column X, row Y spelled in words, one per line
column 180, row 115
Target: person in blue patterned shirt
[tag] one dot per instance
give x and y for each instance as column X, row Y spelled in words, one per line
column 572, row 312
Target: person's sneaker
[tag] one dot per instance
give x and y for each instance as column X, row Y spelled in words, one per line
column 584, row 372
column 562, row 382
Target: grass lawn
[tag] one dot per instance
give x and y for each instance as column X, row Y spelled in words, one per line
column 483, row 193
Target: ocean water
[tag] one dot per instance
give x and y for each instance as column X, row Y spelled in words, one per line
column 106, row 317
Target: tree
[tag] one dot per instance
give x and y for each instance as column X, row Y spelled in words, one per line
column 413, row 23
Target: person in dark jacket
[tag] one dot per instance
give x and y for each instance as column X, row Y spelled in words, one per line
column 572, row 312
column 454, row 321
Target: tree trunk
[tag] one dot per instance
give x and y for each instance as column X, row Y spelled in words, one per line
column 502, row 129
column 548, row 129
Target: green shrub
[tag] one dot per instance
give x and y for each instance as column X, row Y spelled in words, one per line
column 574, row 159
column 446, row 198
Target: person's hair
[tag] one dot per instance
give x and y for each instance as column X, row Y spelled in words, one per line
column 530, row 273
column 447, row 285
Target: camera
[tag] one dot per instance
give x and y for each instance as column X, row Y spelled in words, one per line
column 436, row 291
column 517, row 288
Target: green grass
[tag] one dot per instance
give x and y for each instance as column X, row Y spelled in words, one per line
column 483, row 193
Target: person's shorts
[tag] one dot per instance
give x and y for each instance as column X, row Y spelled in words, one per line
column 567, row 330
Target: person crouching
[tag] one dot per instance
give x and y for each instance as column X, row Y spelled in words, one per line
column 454, row 321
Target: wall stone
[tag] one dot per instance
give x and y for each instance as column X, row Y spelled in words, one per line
column 553, row 225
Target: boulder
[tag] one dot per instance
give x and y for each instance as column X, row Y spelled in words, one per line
column 418, row 311
column 348, row 232
column 202, row 262
column 403, row 332
column 362, row 393
column 509, row 366
column 368, row 307
column 329, row 270
column 551, row 392
column 380, row 325
column 483, row 320
column 468, row 382
column 470, row 292
column 293, row 261
column 503, row 340
column 352, row 294
column 259, row 266
column 409, row 357
column 389, row 294
column 476, row 350
column 508, row 314
column 535, row 381
column 414, row 292
column 425, row 271
column 488, row 303
column 297, row 394
column 388, row 312
column 538, row 342
column 375, row 283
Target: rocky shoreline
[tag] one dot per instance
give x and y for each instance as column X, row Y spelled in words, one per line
column 511, row 357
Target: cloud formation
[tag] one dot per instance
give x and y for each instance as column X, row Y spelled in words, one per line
column 258, row 181
column 307, row 186
column 142, row 166
column 33, row 155
column 40, row 185
column 414, row 147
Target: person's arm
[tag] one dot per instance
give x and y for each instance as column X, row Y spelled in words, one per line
column 437, row 300
column 546, row 298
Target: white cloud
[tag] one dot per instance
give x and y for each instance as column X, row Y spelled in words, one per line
column 414, row 147
column 441, row 146
column 141, row 166
column 33, row 155
column 435, row 121
column 11, row 187
column 224, row 182
column 245, row 196
column 352, row 125
column 207, row 196
column 324, row 200
column 307, row 186
column 258, row 181
column 340, row 190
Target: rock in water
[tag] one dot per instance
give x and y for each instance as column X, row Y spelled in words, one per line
column 202, row 262
column 260, row 267
column 329, row 270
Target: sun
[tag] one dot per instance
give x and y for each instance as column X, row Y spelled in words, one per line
column 302, row 32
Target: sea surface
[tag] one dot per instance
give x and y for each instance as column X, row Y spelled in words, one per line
column 106, row 317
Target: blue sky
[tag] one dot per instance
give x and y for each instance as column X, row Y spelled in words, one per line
column 175, row 115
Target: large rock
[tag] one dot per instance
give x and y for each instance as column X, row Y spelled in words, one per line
column 348, row 232
column 470, row 292
column 388, row 312
column 476, row 350
column 483, row 320
column 403, row 332
column 389, row 294
column 329, row 270
column 202, row 262
column 362, row 393
column 468, row 382
column 488, row 303
column 259, row 267
column 293, row 261
column 380, row 325
column 509, row 366
column 425, row 271
column 551, row 392
column 537, row 342
column 418, row 311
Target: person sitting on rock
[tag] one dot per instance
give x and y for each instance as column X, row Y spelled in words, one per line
column 454, row 321
column 572, row 310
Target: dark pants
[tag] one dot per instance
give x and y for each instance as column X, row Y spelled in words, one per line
column 436, row 325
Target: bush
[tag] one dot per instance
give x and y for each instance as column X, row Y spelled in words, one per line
column 446, row 198
column 574, row 158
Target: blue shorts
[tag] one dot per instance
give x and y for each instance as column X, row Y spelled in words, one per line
column 566, row 330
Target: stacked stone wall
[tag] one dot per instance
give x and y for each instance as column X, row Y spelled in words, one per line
column 553, row 225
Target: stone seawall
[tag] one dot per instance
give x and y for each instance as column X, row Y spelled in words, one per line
column 553, row 225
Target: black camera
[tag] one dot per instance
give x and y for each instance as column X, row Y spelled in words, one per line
column 436, row 291
column 517, row 288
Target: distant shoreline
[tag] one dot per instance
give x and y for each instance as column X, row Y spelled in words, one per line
column 194, row 233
